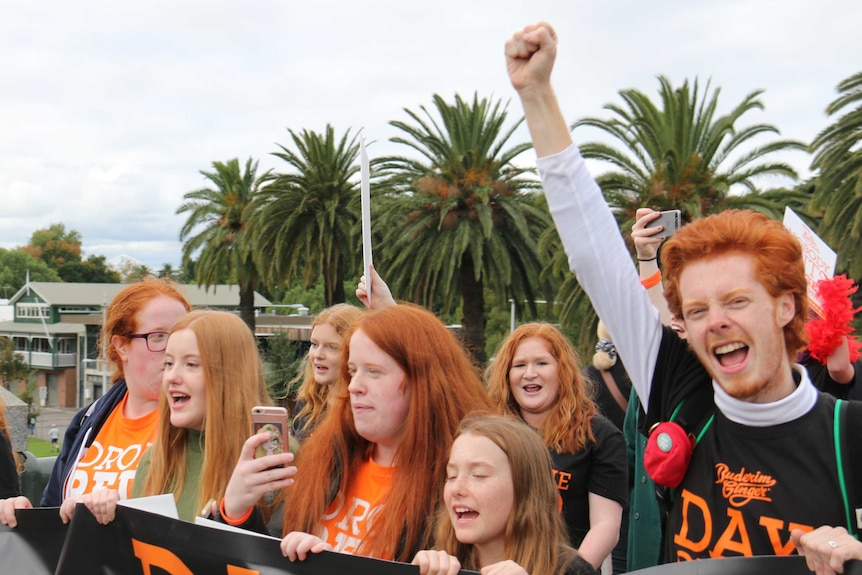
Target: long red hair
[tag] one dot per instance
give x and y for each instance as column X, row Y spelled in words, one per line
column 444, row 387
column 312, row 394
column 567, row 427
column 233, row 372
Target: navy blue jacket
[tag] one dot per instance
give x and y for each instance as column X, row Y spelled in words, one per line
column 90, row 418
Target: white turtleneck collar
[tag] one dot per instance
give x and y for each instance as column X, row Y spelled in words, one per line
column 795, row 405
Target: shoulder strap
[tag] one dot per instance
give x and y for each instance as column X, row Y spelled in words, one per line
column 699, row 415
column 612, row 386
column 839, row 432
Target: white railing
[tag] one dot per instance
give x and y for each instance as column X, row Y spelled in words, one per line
column 67, row 359
column 46, row 359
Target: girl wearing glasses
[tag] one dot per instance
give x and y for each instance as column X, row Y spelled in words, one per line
column 104, row 442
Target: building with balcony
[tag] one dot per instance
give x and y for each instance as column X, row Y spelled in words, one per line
column 55, row 329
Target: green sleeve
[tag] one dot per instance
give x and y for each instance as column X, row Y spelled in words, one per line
column 141, row 474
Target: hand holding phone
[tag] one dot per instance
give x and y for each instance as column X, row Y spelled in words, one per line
column 670, row 220
column 274, row 420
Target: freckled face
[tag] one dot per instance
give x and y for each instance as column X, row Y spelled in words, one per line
column 379, row 402
column 479, row 493
column 142, row 368
column 325, row 354
column 534, row 379
column 735, row 327
column 184, row 381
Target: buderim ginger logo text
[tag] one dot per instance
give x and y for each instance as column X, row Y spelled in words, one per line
column 740, row 487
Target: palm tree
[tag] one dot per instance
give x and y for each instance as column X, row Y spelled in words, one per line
column 306, row 220
column 459, row 219
column 168, row 271
column 220, row 214
column 681, row 156
column 839, row 188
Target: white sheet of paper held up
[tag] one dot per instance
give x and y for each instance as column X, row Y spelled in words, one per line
column 162, row 504
column 365, row 197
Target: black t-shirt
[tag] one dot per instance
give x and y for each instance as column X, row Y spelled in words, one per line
column 748, row 487
column 600, row 468
column 605, row 400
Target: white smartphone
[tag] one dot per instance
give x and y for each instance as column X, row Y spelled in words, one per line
column 273, row 419
column 671, row 220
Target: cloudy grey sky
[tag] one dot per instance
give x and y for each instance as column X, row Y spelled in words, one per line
column 108, row 110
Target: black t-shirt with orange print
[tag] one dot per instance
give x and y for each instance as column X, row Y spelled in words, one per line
column 747, row 487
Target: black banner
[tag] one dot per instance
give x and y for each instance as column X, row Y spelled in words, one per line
column 141, row 542
column 33, row 547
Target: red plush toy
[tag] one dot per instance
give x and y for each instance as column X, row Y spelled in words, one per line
column 667, row 453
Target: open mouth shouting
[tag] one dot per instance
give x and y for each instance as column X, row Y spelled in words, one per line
column 731, row 356
column 178, row 399
column 465, row 514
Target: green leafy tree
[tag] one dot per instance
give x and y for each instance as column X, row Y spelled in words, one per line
column 838, row 157
column 14, row 265
column 306, row 221
column 138, row 272
column 169, row 272
column 283, row 360
column 461, row 217
column 216, row 229
column 61, row 251
column 12, row 366
column 684, row 156
column 680, row 154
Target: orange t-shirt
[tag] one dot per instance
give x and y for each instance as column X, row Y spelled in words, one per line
column 112, row 459
column 351, row 516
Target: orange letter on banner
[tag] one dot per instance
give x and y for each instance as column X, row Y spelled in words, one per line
column 689, row 499
column 234, row 570
column 737, row 524
column 152, row 556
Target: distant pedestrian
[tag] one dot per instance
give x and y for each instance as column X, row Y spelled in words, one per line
column 54, row 436
column 32, row 426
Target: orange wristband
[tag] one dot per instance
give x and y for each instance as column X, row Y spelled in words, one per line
column 652, row 281
column 230, row 520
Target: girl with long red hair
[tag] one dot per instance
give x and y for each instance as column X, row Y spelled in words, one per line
column 367, row 479
column 536, row 376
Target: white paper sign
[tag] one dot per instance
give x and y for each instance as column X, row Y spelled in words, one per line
column 365, row 197
column 819, row 258
column 162, row 504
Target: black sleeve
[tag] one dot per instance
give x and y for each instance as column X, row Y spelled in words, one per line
column 9, row 484
column 819, row 376
column 608, row 467
column 678, row 376
column 581, row 566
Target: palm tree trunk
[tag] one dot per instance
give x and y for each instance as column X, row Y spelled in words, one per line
column 473, row 318
column 246, row 306
column 333, row 281
column 338, row 295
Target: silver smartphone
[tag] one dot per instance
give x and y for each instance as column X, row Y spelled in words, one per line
column 671, row 220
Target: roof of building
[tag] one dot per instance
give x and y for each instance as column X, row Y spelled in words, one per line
column 95, row 294
column 12, row 328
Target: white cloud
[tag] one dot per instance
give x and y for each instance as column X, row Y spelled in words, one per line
column 109, row 110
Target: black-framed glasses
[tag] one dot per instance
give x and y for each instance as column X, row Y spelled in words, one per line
column 156, row 340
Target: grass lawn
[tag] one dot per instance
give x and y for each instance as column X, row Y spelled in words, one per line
column 40, row 447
